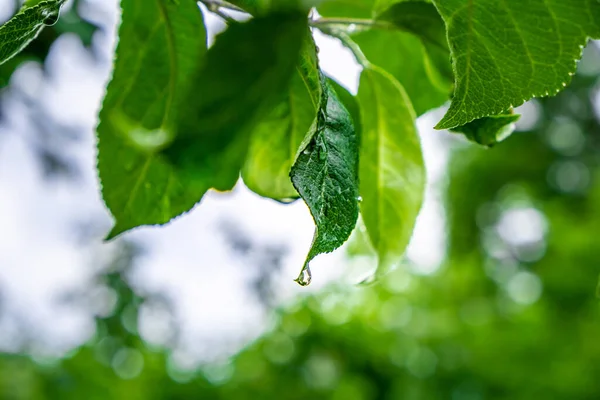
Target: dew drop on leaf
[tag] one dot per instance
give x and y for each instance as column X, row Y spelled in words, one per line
column 287, row 200
column 369, row 280
column 50, row 17
column 305, row 276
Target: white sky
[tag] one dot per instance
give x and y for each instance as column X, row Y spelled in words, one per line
column 41, row 257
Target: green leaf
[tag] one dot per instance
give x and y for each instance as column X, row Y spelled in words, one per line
column 422, row 20
column 239, row 85
column 325, row 174
column 347, row 8
column 404, row 56
column 392, row 173
column 506, row 52
column 160, row 46
column 21, row 29
column 277, row 138
column 490, row 130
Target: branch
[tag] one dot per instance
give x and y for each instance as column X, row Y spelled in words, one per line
column 213, row 5
column 332, row 22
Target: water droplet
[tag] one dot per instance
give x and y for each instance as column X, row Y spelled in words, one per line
column 287, row 200
column 50, row 16
column 322, row 155
column 369, row 280
column 359, row 199
column 305, row 276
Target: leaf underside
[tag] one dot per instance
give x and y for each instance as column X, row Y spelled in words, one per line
column 160, row 45
column 276, row 139
column 488, row 131
column 392, row 171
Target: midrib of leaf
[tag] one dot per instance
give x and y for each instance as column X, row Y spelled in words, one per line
column 138, row 69
column 293, row 122
column 520, row 34
column 554, row 19
column 170, row 96
column 173, row 60
column 468, row 73
column 308, row 89
column 380, row 152
column 138, row 183
column 325, row 171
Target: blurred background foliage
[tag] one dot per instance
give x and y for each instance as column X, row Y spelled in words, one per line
column 510, row 314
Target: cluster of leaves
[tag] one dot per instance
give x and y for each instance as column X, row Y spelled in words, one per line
column 459, row 334
column 179, row 119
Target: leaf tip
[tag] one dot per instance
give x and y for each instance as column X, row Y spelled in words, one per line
column 114, row 232
column 444, row 125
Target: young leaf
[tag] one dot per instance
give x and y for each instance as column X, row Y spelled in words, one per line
column 421, row 19
column 21, row 29
column 404, row 56
column 488, row 131
column 409, row 41
column 347, row 8
column 160, row 45
column 418, row 17
column 325, row 174
column 276, row 139
column 392, row 173
column 506, row 52
column 250, row 65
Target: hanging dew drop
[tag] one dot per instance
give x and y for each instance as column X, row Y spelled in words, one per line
column 287, row 200
column 359, row 199
column 305, row 276
column 50, row 17
column 369, row 280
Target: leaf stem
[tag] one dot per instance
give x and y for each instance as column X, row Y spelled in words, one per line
column 213, row 5
column 328, row 22
column 347, row 42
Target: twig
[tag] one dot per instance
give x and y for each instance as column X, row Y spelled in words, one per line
column 213, row 5
column 329, row 22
